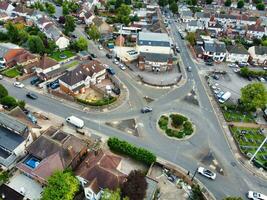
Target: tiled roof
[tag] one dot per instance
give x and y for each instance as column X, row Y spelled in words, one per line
column 255, row 27
column 155, row 57
column 46, row 62
column 261, row 50
column 12, row 53
column 4, row 5
column 237, row 49
column 22, row 9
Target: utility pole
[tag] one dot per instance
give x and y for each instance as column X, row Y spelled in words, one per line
column 258, row 149
column 192, row 179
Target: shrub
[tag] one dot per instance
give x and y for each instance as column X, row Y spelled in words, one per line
column 3, row 91
column 9, row 101
column 188, row 129
column 134, row 152
column 101, row 102
column 177, row 120
column 163, row 122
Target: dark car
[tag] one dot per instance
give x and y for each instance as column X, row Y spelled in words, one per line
column 110, row 71
column 146, row 109
column 116, row 90
column 35, row 80
column 209, row 63
column 109, row 56
column 73, row 36
column 216, row 77
column 93, row 55
column 249, row 78
column 31, row 95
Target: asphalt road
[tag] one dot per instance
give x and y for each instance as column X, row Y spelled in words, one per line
column 189, row 154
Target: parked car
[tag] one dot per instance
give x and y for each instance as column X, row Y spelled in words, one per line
column 146, row 109
column 243, row 64
column 109, row 56
column 31, row 95
column 116, row 90
column 189, row 69
column 116, row 62
column 77, row 122
column 100, row 47
column 177, row 49
column 35, row 80
column 1, row 76
column 249, row 78
column 256, row 195
column 93, row 55
column 122, row 66
column 220, row 94
column 216, row 77
column 261, row 79
column 18, row 84
column 209, row 63
column 73, row 36
column 207, row 173
column 111, row 71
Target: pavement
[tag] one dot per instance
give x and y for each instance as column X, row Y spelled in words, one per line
column 210, row 136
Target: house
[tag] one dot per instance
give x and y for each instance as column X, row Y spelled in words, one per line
column 258, row 55
column 215, row 50
column 194, row 25
column 88, row 17
column 256, row 31
column 154, row 51
column 42, row 22
column 26, row 60
column 6, row 7
column 23, row 11
column 237, row 53
column 4, row 49
column 45, row 66
column 203, row 17
column 7, row 193
column 102, row 26
column 99, row 170
column 15, row 136
column 52, row 32
column 186, row 16
column 82, row 77
column 53, row 150
column 3, row 16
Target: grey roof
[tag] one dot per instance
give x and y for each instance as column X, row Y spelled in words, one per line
column 83, row 53
column 12, row 124
column 155, row 57
column 260, row 50
column 199, row 14
column 153, row 39
column 237, row 49
column 218, row 47
column 53, row 31
column 9, row 140
column 152, row 186
column 187, row 13
column 193, row 23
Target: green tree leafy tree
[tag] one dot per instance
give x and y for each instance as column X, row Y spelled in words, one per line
column 36, row 44
column 61, row 185
column 112, row 195
column 240, row 4
column 163, row 3
column 135, row 186
column 254, row 96
column 3, row 91
column 93, row 32
column 39, row 6
column 260, row 6
column 12, row 32
column 191, row 38
column 21, row 104
column 228, row 3
column 69, row 25
column 50, row 8
column 197, row 193
column 9, row 101
column 123, row 14
column 193, row 2
column 174, row 7
column 81, row 44
column 209, row 1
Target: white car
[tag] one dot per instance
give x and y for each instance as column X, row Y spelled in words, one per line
column 18, row 84
column 122, row 67
column 100, row 47
column 206, row 172
column 256, row 195
column 116, row 62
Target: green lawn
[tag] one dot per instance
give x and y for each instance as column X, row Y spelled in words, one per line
column 74, row 63
column 234, row 114
column 56, row 55
column 11, row 73
column 249, row 142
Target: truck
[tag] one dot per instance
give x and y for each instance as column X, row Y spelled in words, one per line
column 225, row 97
column 75, row 121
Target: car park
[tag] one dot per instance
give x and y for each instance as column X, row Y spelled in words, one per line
column 122, row 66
column 18, row 84
column 111, row 71
column 116, row 90
column 31, row 95
column 206, row 172
column 146, row 109
column 256, row 196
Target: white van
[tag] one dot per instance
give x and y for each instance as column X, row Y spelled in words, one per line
column 75, row 121
column 225, row 97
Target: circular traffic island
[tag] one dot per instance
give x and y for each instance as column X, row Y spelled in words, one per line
column 176, row 125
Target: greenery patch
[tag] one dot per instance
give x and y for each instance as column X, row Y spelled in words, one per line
column 11, row 73
column 62, row 55
column 100, row 102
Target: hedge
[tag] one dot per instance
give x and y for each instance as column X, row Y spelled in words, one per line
column 134, row 152
column 163, row 122
column 246, row 72
column 101, row 102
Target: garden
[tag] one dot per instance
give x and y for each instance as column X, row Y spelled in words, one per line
column 11, row 73
column 98, row 102
column 248, row 140
column 62, row 55
column 176, row 125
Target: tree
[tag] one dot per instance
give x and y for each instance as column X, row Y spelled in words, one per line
column 9, row 101
column 93, row 32
column 228, row 3
column 123, row 14
column 50, row 46
column 61, row 185
column 12, row 32
column 240, row 4
column 193, row 2
column 38, row 5
column 23, row 36
column 82, row 44
column 36, row 44
column 135, row 186
column 118, row 3
column 3, row 36
column 260, row 6
column 232, row 198
column 264, row 42
column 111, row 195
column 3, row 91
column 50, row 8
column 61, row 20
column 69, row 25
column 254, row 96
column 177, row 120
column 209, row 1
column 196, row 193
column 163, row 3
column 191, row 38
column 21, row 104
column 174, row 7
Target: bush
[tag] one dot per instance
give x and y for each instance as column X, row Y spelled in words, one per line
column 9, row 101
column 246, row 72
column 163, row 122
column 3, row 91
column 134, row 152
column 177, row 120
column 188, row 129
column 101, row 102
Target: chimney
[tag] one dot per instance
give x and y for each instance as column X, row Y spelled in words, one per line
column 71, row 151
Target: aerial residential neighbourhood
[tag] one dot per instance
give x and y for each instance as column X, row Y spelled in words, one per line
column 133, row 99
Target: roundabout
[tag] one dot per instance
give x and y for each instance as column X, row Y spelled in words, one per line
column 176, row 126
